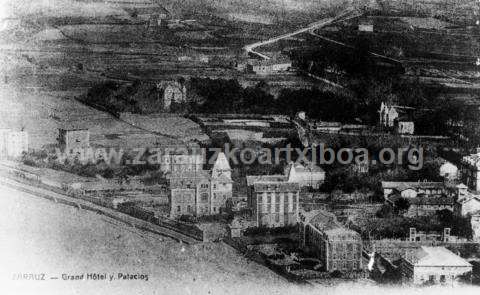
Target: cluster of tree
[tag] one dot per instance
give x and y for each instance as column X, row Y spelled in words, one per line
column 373, row 84
column 115, row 98
column 228, row 96
column 388, row 225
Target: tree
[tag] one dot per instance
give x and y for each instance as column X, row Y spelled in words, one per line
column 402, row 204
column 385, row 212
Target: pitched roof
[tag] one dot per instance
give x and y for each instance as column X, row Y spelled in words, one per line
column 468, row 197
column 201, row 174
column 441, row 200
column 435, row 256
column 306, row 168
column 276, row 186
column 327, row 223
column 252, row 179
column 403, row 185
column 221, row 163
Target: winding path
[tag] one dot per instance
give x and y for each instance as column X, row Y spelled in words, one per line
column 250, row 49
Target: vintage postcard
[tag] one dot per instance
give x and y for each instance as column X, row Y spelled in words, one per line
column 239, row 147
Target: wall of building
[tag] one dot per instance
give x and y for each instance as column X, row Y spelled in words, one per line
column 438, row 274
column 307, row 179
column 181, row 163
column 470, row 206
column 475, row 222
column 182, row 202
column 13, row 143
column 340, row 253
column 471, row 177
column 276, row 209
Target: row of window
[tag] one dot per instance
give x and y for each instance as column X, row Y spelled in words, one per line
column 345, row 265
column 203, row 210
column 191, row 185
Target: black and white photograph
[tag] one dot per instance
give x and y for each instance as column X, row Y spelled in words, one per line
column 239, row 147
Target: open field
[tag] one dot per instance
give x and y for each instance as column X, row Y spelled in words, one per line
column 41, row 114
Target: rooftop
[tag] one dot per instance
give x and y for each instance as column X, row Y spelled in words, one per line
column 221, row 163
column 327, row 222
column 403, row 185
column 441, row 200
column 284, row 186
column 252, row 179
column 472, row 160
column 435, row 256
column 201, row 174
column 308, row 167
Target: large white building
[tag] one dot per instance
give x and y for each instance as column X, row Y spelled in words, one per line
column 433, row 265
column 274, row 201
column 306, row 175
column 201, row 192
column 337, row 247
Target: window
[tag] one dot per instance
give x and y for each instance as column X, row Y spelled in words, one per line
column 442, row 279
column 179, row 209
column 214, row 209
column 431, row 278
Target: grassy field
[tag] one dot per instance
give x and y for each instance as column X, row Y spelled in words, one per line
column 41, row 114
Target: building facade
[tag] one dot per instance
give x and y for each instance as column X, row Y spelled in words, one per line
column 13, row 143
column 337, row 247
column 467, row 204
column 475, row 222
column 398, row 117
column 428, row 206
column 412, row 189
column 433, row 265
column 274, row 203
column 201, row 192
column 405, row 127
column 172, row 92
column 181, row 162
column 306, row 175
